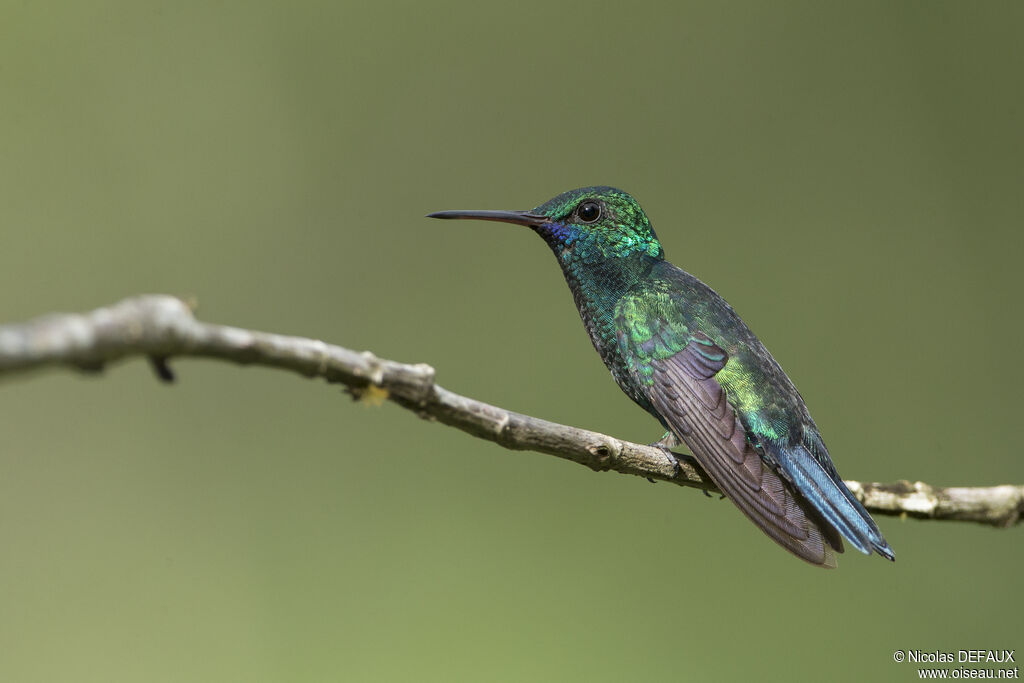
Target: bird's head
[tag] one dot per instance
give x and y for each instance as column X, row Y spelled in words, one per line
column 586, row 224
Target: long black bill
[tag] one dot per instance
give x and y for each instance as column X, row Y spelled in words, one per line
column 518, row 217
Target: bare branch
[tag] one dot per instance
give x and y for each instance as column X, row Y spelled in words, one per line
column 162, row 327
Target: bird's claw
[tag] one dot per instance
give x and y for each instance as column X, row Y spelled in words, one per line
column 673, row 461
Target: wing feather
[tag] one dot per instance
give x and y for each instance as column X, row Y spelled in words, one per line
column 696, row 408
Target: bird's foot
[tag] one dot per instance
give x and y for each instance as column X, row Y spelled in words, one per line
column 665, row 444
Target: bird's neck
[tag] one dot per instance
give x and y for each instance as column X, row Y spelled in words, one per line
column 604, row 281
column 597, row 285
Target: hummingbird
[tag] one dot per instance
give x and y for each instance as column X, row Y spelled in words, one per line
column 683, row 354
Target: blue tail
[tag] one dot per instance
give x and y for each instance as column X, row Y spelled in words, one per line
column 827, row 494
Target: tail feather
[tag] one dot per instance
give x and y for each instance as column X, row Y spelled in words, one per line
column 832, row 499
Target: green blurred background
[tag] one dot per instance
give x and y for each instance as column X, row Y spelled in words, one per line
column 849, row 177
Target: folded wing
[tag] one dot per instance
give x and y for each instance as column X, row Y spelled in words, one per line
column 694, row 405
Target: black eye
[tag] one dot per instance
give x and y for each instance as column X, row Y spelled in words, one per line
column 589, row 211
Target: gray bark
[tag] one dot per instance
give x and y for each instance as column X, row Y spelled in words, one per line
column 162, row 327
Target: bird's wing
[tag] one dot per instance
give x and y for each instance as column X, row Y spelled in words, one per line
column 682, row 388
